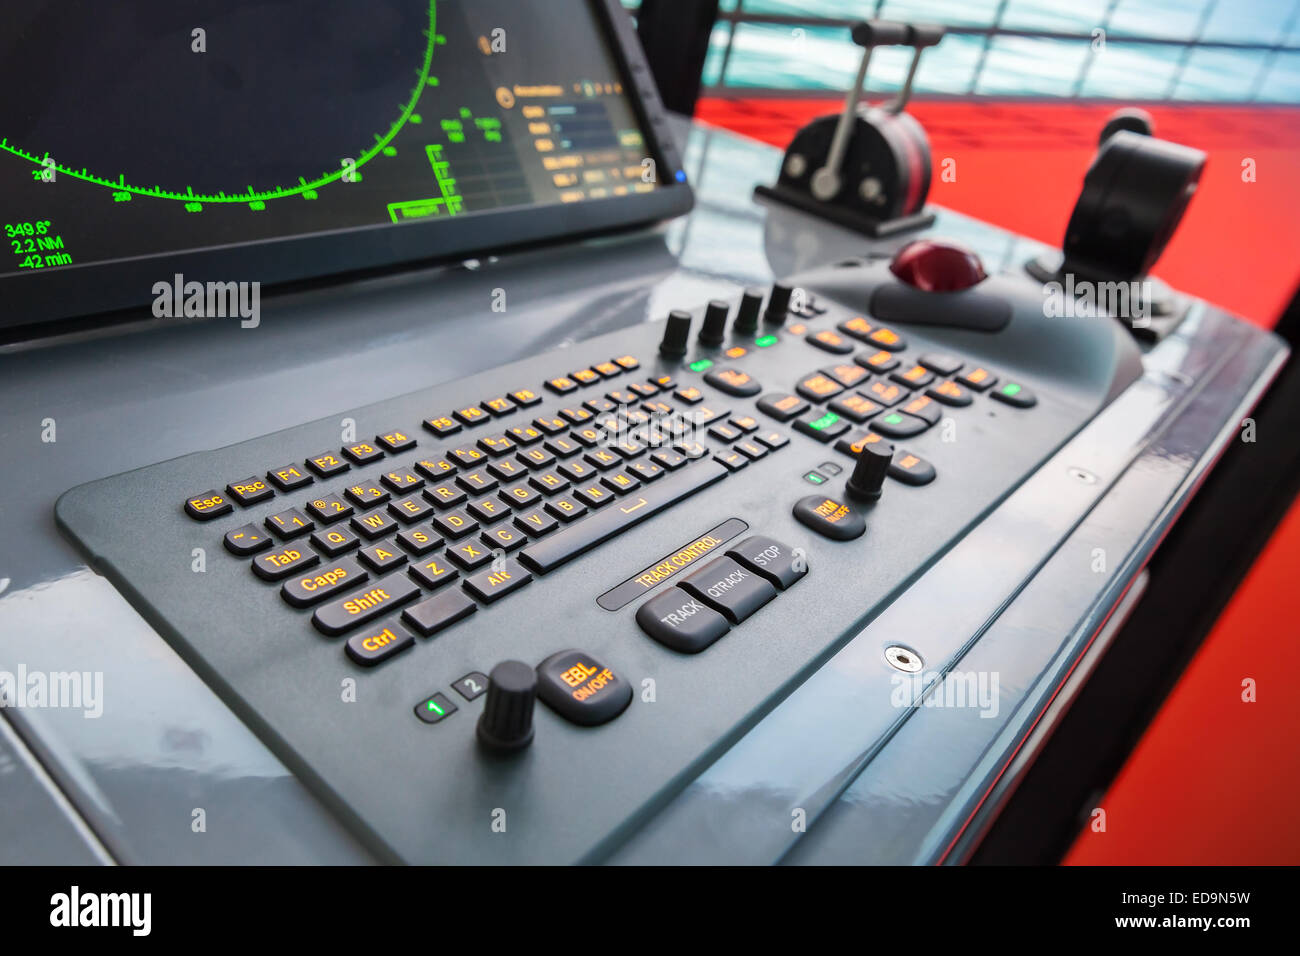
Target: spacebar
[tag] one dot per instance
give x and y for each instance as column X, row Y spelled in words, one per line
column 551, row 552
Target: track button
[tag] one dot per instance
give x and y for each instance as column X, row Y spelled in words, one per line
column 681, row 622
column 729, row 587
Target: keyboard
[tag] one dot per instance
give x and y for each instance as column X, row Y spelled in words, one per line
column 661, row 523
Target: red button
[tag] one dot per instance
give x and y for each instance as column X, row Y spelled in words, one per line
column 935, row 266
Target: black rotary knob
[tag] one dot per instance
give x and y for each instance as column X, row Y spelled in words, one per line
column 778, row 303
column 507, row 721
column 715, row 323
column 677, row 332
column 747, row 315
column 869, row 473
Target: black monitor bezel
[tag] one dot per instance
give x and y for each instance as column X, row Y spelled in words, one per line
column 74, row 291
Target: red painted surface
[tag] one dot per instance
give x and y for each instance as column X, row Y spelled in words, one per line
column 1212, row 781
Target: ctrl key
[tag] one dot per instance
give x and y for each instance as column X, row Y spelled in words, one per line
column 378, row 643
column 681, row 622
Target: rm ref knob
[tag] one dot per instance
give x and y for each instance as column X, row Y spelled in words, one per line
column 869, row 473
column 507, row 721
column 677, row 333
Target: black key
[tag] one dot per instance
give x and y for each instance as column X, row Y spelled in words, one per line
column 578, row 415
column 472, row 686
column 691, row 449
column 608, row 369
column 823, row 426
column 657, row 408
column 977, row 378
column 726, row 433
column 334, row 541
column 289, row 524
column 525, row 434
column 249, row 491
column 562, row 447
column 378, row 644
column 847, row 374
column 208, row 505
column 289, row 477
column 442, row 610
column 898, row 425
column 622, row 482
column 773, row 440
column 832, row 342
column 888, row 339
column 507, row 470
column 469, row 555
column 733, row 381
column 589, row 436
column 470, row 456
column 878, row 361
column 395, row 441
column 442, row 426
column 852, row 445
column 401, row 480
column 622, row 396
column 327, row 464
column 488, row 509
column 445, row 495
column 435, row 708
column 581, row 689
column 627, row 362
column 304, row 590
column 536, row 458
column 505, row 537
column 549, row 482
column 433, row 572
column 374, row 524
column 329, row 508
column 366, row 494
column 500, row 406
column 731, row 460
column 471, row 415
column 455, row 524
column 689, row 394
column 751, row 449
column 603, row 458
column 383, row 557
column 247, row 539
column 409, row 509
column 419, row 541
column 887, row 393
column 362, row 452
column 680, row 621
column 1014, row 394
column 525, row 398
column 856, row 407
column 497, row 582
column 497, row 445
column 746, row 423
column 600, row 405
column 550, row 426
column 557, row 549
column 536, row 522
column 917, row 376
column 585, row 376
column 364, row 604
column 566, row 508
column 670, row 460
column 578, row 470
column 858, row 327
column 924, row 408
column 644, row 389
column 782, row 405
column 519, row 496
column 705, row 414
column 629, row 448
column 435, row 469
column 829, row 517
column 818, row 387
column 940, row 363
column 594, row 494
column 283, row 562
column 477, row 481
column 770, row 559
column 911, row 469
column 950, row 393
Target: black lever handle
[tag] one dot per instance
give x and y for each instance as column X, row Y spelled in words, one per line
column 869, row 33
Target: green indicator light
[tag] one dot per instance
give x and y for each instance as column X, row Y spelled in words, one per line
column 893, row 418
column 826, row 421
column 1011, row 388
column 764, row 341
column 433, row 706
column 815, row 478
column 699, row 365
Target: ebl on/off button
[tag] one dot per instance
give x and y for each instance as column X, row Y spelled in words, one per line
column 580, row 688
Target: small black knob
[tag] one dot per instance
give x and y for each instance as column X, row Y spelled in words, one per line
column 869, row 473
column 507, row 721
column 715, row 323
column 747, row 315
column 778, row 303
column 677, row 332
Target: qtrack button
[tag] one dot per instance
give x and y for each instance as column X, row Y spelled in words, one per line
column 729, row 588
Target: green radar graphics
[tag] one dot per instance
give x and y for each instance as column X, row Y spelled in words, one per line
column 172, row 102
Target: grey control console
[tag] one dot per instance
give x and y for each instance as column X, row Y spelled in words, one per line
column 506, row 619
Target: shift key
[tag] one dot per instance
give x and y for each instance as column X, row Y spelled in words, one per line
column 364, row 604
